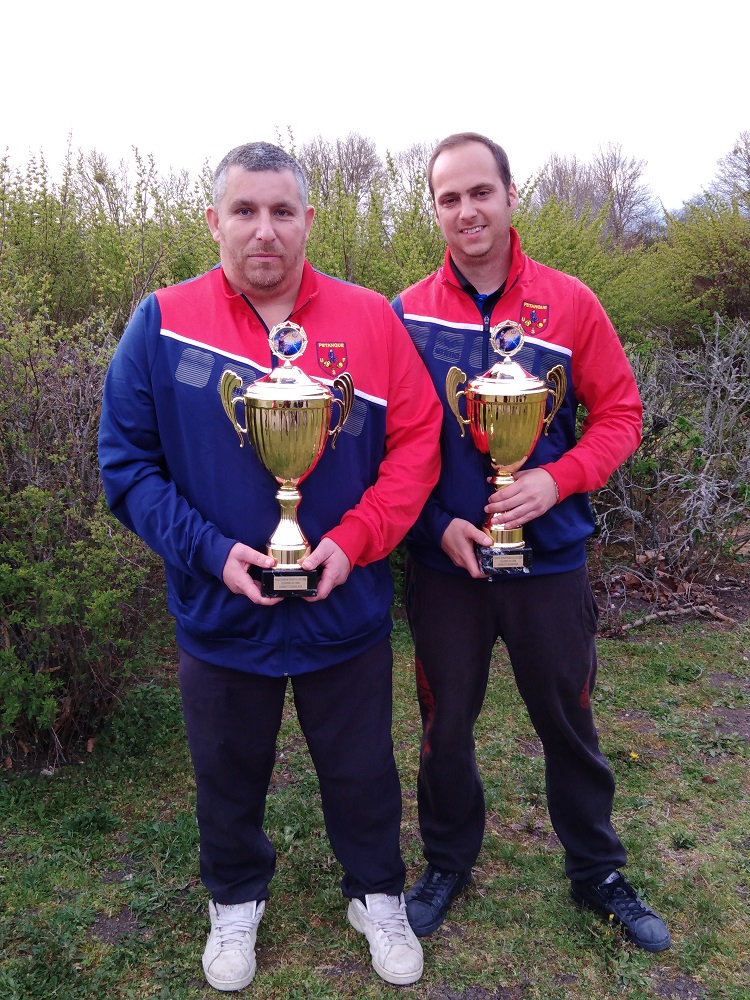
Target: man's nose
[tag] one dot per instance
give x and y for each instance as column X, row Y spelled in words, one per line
column 468, row 208
column 265, row 231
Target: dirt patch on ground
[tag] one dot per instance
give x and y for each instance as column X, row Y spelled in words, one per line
column 115, row 928
column 533, row 829
column 732, row 721
column 673, row 986
column 638, row 722
column 123, row 874
column 344, row 969
column 530, row 747
column 479, row 993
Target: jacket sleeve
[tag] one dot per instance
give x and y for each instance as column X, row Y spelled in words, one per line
column 433, row 519
column 134, row 465
column 411, row 461
column 604, row 384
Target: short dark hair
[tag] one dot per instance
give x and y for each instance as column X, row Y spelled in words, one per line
column 258, row 156
column 461, row 139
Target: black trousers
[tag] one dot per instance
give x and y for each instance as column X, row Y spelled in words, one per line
column 548, row 624
column 345, row 712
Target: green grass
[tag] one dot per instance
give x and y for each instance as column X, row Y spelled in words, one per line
column 100, row 896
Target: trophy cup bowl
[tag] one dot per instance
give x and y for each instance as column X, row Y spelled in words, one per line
column 287, row 421
column 505, row 413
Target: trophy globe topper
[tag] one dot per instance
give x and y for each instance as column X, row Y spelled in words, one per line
column 505, row 413
column 287, row 421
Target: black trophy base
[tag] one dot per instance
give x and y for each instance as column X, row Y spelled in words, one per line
column 291, row 581
column 494, row 561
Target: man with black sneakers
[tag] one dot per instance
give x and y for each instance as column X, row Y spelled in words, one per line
column 547, row 616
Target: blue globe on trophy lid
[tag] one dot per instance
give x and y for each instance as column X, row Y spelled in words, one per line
column 506, row 338
column 287, row 340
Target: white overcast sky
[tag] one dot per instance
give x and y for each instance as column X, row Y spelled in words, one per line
column 664, row 79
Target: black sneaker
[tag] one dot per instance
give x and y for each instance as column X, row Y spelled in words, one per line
column 428, row 899
column 615, row 897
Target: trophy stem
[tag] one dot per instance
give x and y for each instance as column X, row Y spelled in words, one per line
column 288, row 544
column 502, row 537
column 502, row 478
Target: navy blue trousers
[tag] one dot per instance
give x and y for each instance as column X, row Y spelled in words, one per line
column 548, row 624
column 345, row 712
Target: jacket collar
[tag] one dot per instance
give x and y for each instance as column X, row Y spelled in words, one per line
column 309, row 287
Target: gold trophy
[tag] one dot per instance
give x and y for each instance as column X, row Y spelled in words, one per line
column 505, row 413
column 287, row 421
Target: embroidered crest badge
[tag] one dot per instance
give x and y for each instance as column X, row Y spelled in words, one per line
column 534, row 317
column 332, row 357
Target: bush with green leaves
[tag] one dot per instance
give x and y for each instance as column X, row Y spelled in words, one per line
column 74, row 597
column 710, row 257
column 75, row 587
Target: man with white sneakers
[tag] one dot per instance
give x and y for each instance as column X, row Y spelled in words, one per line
column 173, row 473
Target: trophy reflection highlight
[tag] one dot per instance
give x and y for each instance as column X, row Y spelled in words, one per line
column 505, row 413
column 287, row 421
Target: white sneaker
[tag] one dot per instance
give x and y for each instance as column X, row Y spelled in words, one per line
column 229, row 958
column 396, row 953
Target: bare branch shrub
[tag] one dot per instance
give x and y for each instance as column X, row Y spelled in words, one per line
column 682, row 502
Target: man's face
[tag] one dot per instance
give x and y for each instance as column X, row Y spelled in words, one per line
column 261, row 227
column 472, row 206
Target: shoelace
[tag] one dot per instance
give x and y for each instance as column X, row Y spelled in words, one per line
column 432, row 884
column 627, row 900
column 393, row 926
column 230, row 930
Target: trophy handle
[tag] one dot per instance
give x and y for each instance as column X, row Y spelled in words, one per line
column 559, row 382
column 345, row 386
column 230, row 382
column 452, row 381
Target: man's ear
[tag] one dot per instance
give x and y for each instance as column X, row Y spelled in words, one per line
column 212, row 218
column 309, row 216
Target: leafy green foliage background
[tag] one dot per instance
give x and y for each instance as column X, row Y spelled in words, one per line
column 80, row 246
